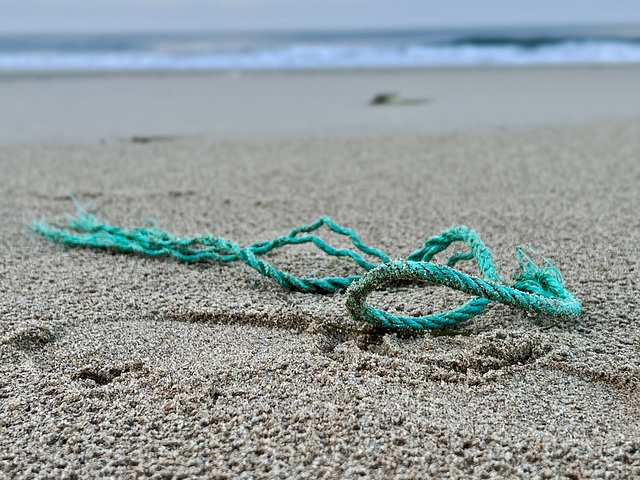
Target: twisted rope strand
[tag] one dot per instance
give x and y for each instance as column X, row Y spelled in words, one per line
column 537, row 289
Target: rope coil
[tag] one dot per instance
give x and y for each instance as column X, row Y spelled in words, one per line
column 535, row 288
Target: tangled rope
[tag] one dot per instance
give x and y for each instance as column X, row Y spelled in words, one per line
column 535, row 288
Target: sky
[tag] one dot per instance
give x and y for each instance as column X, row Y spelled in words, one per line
column 28, row 16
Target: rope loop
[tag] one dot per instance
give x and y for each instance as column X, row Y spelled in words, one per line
column 484, row 291
column 539, row 289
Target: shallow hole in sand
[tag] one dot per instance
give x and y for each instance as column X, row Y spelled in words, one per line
column 102, row 375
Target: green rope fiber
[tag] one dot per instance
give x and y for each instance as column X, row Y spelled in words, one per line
column 535, row 288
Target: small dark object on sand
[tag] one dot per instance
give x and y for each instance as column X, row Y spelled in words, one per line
column 152, row 138
column 383, row 98
column 392, row 99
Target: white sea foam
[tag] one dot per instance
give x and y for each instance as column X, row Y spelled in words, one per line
column 141, row 53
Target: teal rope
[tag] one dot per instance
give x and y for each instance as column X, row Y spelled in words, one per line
column 538, row 289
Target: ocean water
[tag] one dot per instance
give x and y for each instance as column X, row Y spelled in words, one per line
column 320, row 50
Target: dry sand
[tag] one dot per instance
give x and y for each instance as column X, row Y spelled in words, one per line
column 235, row 106
column 121, row 366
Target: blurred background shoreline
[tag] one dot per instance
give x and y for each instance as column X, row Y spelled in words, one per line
column 376, row 49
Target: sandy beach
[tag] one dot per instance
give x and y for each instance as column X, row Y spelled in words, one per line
column 123, row 366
